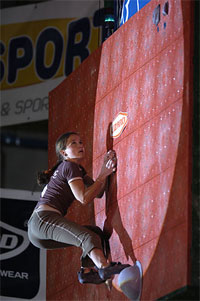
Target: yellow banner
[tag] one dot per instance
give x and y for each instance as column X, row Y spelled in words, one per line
column 36, row 51
column 40, row 45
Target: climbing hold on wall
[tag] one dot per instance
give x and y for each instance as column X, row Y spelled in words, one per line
column 118, row 124
column 165, row 10
column 130, row 281
column 156, row 15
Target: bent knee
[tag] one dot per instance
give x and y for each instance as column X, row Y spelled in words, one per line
column 92, row 240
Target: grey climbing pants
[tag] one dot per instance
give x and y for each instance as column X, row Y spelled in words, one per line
column 50, row 230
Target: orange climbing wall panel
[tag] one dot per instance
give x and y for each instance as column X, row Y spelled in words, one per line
column 145, row 71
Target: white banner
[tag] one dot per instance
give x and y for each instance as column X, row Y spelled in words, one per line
column 40, row 45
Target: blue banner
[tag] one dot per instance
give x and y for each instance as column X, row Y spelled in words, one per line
column 131, row 7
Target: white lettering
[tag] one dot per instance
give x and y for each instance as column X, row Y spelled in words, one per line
column 8, row 241
column 13, row 274
column 118, row 125
column 30, row 105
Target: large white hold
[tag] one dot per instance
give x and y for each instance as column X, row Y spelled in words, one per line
column 130, row 281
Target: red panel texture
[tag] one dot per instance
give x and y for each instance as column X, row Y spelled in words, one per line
column 144, row 70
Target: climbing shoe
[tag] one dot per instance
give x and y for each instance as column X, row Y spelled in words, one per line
column 89, row 277
column 112, row 269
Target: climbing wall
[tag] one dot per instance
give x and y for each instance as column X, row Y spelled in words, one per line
column 143, row 71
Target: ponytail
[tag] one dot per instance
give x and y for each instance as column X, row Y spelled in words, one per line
column 43, row 177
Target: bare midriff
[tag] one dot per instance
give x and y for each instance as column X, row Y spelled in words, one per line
column 45, row 207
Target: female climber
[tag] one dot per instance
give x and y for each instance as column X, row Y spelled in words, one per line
column 67, row 181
